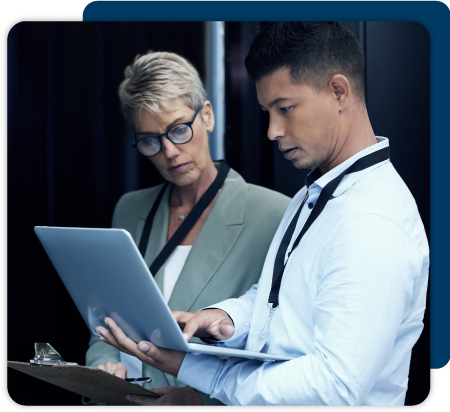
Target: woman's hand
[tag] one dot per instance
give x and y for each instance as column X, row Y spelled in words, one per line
column 165, row 360
column 205, row 323
column 116, row 369
column 170, row 395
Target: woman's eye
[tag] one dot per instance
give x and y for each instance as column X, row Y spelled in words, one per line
column 179, row 130
column 285, row 109
column 149, row 141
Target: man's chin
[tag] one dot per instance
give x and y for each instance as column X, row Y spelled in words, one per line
column 302, row 164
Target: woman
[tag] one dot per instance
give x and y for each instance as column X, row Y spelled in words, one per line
column 221, row 253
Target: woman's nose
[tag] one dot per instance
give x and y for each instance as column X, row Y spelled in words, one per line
column 170, row 149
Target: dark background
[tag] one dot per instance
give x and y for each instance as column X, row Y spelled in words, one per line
column 70, row 159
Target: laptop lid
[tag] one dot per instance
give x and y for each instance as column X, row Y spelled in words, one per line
column 106, row 275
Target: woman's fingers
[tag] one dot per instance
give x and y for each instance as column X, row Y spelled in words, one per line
column 120, row 370
column 117, row 369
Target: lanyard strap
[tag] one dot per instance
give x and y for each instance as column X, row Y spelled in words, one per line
column 149, row 221
column 187, row 224
column 325, row 195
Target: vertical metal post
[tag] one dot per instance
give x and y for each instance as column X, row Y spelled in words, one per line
column 215, row 84
column 362, row 31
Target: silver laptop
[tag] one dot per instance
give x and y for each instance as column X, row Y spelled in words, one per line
column 106, row 275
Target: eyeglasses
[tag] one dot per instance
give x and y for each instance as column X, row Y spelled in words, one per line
column 180, row 133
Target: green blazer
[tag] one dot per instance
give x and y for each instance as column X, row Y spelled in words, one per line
column 224, row 262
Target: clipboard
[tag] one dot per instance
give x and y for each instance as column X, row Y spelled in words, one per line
column 89, row 382
column 86, row 381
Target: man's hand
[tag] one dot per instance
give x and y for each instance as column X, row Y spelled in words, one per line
column 170, row 395
column 205, row 324
column 117, row 369
column 165, row 360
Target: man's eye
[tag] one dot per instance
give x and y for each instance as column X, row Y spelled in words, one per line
column 285, row 109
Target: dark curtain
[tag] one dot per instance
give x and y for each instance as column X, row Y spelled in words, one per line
column 398, row 100
column 69, row 160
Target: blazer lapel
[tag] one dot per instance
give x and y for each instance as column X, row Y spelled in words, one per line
column 217, row 237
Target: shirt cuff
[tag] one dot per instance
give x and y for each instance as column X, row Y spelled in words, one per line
column 199, row 371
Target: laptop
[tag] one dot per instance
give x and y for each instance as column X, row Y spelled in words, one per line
column 106, row 275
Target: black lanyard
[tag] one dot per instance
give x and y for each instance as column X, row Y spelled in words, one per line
column 325, row 195
column 187, row 224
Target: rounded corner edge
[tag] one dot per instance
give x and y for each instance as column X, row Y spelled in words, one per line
column 424, row 27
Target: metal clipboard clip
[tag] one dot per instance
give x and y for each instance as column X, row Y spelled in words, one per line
column 47, row 355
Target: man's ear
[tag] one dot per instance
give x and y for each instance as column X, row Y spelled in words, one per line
column 340, row 87
column 208, row 115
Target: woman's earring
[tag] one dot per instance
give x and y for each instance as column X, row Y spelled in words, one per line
column 209, row 131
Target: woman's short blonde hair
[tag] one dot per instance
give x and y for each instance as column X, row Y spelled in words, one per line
column 155, row 79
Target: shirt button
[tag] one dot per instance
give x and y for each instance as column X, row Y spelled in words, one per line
column 310, row 205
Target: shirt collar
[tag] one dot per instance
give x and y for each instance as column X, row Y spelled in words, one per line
column 316, row 178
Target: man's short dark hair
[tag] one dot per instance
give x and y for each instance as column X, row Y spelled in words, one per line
column 313, row 51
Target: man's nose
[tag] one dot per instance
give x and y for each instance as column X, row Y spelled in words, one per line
column 275, row 130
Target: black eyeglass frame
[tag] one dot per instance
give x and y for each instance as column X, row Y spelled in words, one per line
column 160, row 136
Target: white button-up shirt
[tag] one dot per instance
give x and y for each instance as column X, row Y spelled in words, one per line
column 352, row 301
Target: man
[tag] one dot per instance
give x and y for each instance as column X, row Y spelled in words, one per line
column 344, row 283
